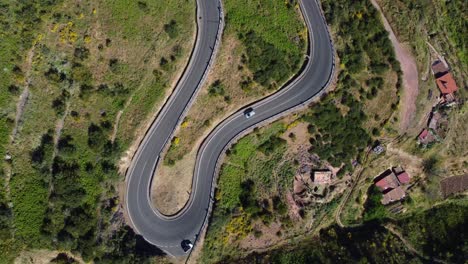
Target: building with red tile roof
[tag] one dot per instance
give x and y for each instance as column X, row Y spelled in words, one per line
column 392, row 184
column 387, row 180
column 404, row 177
column 423, row 134
column 425, row 137
column 393, row 195
column 446, row 84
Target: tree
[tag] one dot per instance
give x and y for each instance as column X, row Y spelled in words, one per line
column 374, row 209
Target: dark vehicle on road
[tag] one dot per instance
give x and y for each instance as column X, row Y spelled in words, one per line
column 186, row 245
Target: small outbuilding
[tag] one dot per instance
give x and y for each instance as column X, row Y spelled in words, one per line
column 393, row 195
column 387, row 180
column 404, row 177
column 322, row 177
column 426, row 137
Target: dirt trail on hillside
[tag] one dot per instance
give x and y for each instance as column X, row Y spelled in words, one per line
column 23, row 99
column 410, row 75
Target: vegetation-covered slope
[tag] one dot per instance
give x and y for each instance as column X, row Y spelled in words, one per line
column 436, row 233
column 91, row 81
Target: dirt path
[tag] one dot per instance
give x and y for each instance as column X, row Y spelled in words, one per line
column 116, row 125
column 58, row 129
column 23, row 99
column 44, row 256
column 410, row 75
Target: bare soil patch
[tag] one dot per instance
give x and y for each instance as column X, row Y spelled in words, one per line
column 297, row 137
column 267, row 236
column 172, row 186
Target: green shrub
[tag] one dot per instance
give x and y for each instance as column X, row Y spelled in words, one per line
column 216, row 88
column 271, row 144
column 171, row 29
column 374, row 209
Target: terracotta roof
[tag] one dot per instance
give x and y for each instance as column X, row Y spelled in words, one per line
column 423, row 134
column 425, row 137
column 403, row 177
column 388, row 182
column 393, row 195
column 446, row 83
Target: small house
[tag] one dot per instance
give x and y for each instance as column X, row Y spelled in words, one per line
column 393, row 195
column 387, row 180
column 322, row 177
column 403, row 177
column 425, row 137
column 446, row 84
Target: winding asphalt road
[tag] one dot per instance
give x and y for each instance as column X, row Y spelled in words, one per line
column 167, row 232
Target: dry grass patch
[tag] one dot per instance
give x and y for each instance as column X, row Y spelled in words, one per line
column 46, row 257
column 172, row 186
column 380, row 108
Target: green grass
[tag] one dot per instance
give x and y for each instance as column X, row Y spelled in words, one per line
column 437, row 232
column 29, row 200
column 58, row 203
column 440, row 231
column 245, row 162
column 366, row 244
column 273, row 36
column 137, row 16
column 274, row 21
column 20, row 23
column 137, row 112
